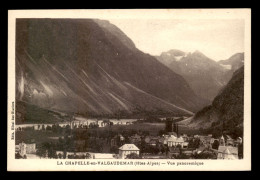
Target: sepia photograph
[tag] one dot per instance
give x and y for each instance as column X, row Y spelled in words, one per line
column 102, row 89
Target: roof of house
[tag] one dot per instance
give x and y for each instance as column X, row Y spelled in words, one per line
column 180, row 139
column 174, row 139
column 228, row 150
column 172, row 133
column 128, row 147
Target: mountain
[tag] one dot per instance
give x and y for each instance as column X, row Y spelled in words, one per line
column 226, row 111
column 171, row 56
column 234, row 62
column 90, row 66
column 205, row 76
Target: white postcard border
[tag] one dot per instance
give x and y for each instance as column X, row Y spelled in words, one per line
column 82, row 165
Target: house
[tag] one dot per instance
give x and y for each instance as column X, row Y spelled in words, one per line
column 227, row 152
column 185, row 144
column 222, row 141
column 128, row 149
column 174, row 141
column 17, row 148
column 226, row 140
column 24, row 149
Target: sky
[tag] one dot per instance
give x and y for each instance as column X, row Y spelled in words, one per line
column 218, row 39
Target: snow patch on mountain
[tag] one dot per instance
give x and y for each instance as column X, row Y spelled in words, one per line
column 178, row 58
column 228, row 67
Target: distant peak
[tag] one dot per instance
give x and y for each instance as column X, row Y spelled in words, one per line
column 175, row 52
column 200, row 54
column 197, row 52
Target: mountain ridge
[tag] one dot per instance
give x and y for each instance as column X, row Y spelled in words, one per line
column 88, row 70
column 205, row 76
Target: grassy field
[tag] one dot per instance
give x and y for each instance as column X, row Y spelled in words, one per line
column 153, row 129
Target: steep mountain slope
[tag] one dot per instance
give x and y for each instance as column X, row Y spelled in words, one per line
column 90, row 66
column 226, row 108
column 233, row 63
column 204, row 75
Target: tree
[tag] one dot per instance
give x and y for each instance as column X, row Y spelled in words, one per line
column 18, row 156
column 41, row 152
column 163, row 149
column 240, row 151
column 67, row 129
column 182, row 156
column 132, row 156
column 197, row 143
column 114, row 149
column 161, row 132
column 52, row 153
column 48, row 128
column 169, row 125
column 88, row 156
column 64, row 154
column 43, row 127
column 215, row 144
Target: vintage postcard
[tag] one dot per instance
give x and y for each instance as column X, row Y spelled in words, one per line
column 129, row 90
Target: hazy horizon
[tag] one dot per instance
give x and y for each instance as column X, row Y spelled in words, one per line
column 217, row 39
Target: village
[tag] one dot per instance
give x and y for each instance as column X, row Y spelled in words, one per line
column 97, row 141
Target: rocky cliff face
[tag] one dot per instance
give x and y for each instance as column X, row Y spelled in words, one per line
column 91, row 66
